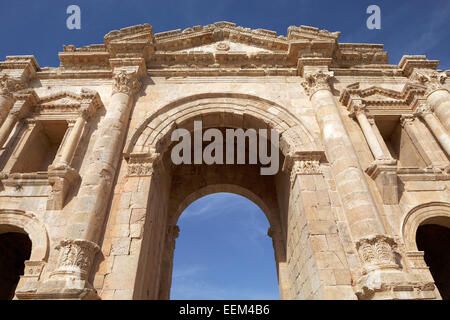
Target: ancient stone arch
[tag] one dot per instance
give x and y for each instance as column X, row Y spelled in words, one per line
column 361, row 142
column 427, row 213
column 205, row 107
column 149, row 146
column 432, row 213
column 26, row 222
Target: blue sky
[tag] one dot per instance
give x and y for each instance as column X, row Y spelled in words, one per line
column 223, row 251
column 408, row 27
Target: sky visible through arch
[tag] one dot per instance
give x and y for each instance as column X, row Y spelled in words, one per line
column 407, row 27
column 223, row 251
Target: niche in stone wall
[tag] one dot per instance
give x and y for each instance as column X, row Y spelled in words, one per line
column 41, row 146
column 398, row 142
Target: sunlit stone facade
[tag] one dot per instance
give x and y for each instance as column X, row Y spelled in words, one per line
column 86, row 171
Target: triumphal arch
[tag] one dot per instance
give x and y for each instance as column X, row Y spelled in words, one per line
column 89, row 196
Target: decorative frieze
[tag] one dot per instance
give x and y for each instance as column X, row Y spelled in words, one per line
column 75, row 258
column 377, row 252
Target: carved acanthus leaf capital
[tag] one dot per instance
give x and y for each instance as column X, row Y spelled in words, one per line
column 432, row 80
column 317, row 81
column 407, row 120
column 75, row 258
column 358, row 107
column 302, row 163
column 377, row 252
column 140, row 165
column 126, row 82
column 9, row 85
column 423, row 109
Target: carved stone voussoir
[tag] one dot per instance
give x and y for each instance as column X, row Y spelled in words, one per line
column 377, row 252
column 317, row 81
column 126, row 82
column 75, row 258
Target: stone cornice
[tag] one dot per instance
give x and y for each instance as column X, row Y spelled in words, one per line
column 64, row 102
column 409, row 63
column 171, row 49
column 377, row 98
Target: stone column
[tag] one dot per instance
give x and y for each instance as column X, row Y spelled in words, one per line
column 360, row 112
column 167, row 263
column 438, row 97
column 72, row 142
column 92, row 199
column 106, row 154
column 70, row 145
column 426, row 113
column 360, row 210
column 20, row 109
column 407, row 123
column 6, row 97
column 380, row 139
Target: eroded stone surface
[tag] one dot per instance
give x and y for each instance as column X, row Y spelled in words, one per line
column 86, row 170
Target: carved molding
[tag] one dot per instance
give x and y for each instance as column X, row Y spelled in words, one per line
column 377, row 252
column 317, row 81
column 381, row 100
column 303, row 163
column 140, row 165
column 60, row 179
column 126, row 82
column 75, row 258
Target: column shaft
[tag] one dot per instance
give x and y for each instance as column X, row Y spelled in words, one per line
column 6, row 102
column 438, row 131
column 440, row 102
column 7, row 127
column 370, row 136
column 360, row 208
column 72, row 142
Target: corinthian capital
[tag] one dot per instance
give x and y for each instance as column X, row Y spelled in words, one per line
column 9, row 85
column 433, row 80
column 75, row 258
column 356, row 107
column 422, row 110
column 377, row 252
column 317, row 81
column 126, row 82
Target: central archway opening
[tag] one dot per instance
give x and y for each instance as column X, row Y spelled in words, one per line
column 15, row 249
column 434, row 239
column 223, row 251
